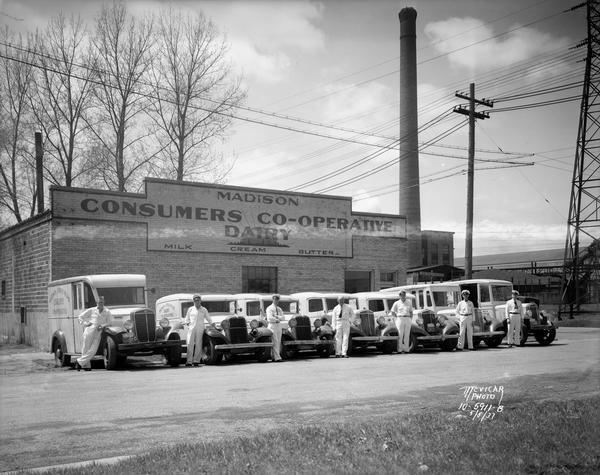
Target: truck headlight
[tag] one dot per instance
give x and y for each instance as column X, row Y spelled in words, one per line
column 292, row 323
column 381, row 321
column 164, row 322
column 128, row 325
column 225, row 324
column 317, row 323
column 254, row 324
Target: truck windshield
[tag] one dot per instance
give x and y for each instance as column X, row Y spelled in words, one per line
column 121, row 296
column 253, row 308
column 501, row 293
column 445, row 298
column 218, row 306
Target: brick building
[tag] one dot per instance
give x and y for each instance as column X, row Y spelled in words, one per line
column 192, row 237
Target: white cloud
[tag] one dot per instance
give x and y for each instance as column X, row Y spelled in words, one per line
column 265, row 35
column 477, row 49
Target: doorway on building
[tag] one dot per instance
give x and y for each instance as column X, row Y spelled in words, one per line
column 258, row 279
column 357, row 281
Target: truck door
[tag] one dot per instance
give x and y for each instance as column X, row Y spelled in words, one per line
column 78, row 308
column 60, row 314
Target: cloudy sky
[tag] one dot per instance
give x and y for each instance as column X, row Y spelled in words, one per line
column 323, row 98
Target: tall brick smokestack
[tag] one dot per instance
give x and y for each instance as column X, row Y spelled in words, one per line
column 410, row 201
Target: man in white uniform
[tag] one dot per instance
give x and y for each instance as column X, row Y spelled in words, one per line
column 93, row 319
column 274, row 316
column 514, row 317
column 341, row 316
column 465, row 311
column 402, row 311
column 194, row 320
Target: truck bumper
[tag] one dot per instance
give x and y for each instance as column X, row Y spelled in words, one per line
column 148, row 346
column 243, row 346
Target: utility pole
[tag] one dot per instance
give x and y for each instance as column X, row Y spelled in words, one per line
column 39, row 171
column 581, row 272
column 471, row 168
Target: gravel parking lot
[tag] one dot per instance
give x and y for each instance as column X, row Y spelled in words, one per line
column 55, row 415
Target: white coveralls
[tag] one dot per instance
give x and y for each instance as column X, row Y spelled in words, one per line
column 274, row 314
column 403, row 311
column 91, row 319
column 194, row 318
column 465, row 311
column 342, row 314
column 514, row 315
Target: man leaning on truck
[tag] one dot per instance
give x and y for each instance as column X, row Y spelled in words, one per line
column 93, row 319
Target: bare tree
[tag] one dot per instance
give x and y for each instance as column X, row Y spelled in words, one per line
column 17, row 190
column 64, row 84
column 194, row 92
column 123, row 45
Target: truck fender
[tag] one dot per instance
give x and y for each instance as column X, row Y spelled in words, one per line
column 114, row 331
column 215, row 335
column 417, row 330
column 450, row 328
column 173, row 334
column 58, row 337
column 390, row 330
column 287, row 334
column 262, row 333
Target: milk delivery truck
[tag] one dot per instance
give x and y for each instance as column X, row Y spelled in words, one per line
column 132, row 331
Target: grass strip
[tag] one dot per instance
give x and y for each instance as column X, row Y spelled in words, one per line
column 538, row 437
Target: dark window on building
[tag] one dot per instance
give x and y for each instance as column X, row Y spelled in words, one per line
column 3, row 289
column 435, row 254
column 259, row 279
column 357, row 281
column 387, row 279
column 446, row 254
column 425, row 251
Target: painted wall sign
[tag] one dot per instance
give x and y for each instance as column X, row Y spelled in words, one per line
column 195, row 217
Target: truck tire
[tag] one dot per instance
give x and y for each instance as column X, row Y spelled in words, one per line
column 494, row 342
column 60, row 358
column 173, row 355
column 388, row 347
column 212, row 355
column 287, row 352
column 263, row 355
column 110, row 354
column 412, row 343
column 326, row 351
column 524, row 335
column 449, row 345
column 545, row 337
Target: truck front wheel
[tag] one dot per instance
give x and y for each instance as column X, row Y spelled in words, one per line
column 60, row 358
column 545, row 337
column 110, row 354
column 212, row 355
column 173, row 355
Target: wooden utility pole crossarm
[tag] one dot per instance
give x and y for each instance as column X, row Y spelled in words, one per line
column 471, row 168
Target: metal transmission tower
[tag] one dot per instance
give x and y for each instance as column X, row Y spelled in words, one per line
column 580, row 268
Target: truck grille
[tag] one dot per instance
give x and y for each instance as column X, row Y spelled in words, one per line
column 367, row 322
column 303, row 329
column 238, row 332
column 429, row 322
column 144, row 324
